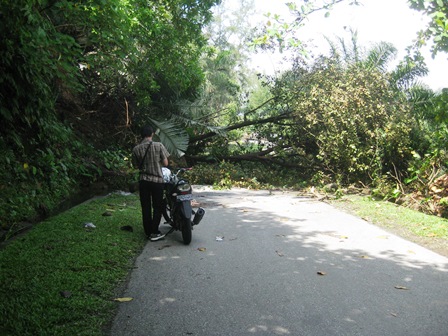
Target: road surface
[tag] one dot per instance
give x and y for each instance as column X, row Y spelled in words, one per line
column 276, row 263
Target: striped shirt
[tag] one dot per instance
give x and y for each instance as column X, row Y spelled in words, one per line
column 151, row 168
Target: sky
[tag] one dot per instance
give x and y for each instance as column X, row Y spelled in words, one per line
column 375, row 20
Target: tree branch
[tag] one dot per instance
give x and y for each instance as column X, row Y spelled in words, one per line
column 282, row 116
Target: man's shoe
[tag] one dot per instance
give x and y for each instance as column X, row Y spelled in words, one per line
column 156, row 236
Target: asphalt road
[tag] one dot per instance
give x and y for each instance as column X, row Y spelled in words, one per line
column 264, row 263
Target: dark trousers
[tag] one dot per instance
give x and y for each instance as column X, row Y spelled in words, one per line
column 151, row 200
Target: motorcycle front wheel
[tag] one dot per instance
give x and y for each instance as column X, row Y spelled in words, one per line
column 166, row 212
column 186, row 230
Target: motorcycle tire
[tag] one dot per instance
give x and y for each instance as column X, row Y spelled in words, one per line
column 186, row 231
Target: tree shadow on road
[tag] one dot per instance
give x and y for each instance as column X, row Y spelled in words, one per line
column 290, row 266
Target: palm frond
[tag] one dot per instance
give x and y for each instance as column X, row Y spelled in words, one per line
column 407, row 73
column 420, row 94
column 191, row 114
column 355, row 45
column 333, row 48
column 380, row 56
column 173, row 137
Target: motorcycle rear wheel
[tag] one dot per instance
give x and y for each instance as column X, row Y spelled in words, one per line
column 186, row 230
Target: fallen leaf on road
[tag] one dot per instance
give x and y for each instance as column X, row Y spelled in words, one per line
column 279, row 253
column 124, row 299
column 394, row 314
column 202, row 249
column 164, row 246
column 401, row 287
column 343, row 237
column 364, row 257
column 321, row 273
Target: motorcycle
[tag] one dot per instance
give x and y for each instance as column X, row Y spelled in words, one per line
column 177, row 208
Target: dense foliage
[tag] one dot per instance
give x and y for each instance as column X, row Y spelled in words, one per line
column 76, row 77
column 348, row 120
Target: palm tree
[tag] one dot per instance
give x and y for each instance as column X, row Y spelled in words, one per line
column 379, row 57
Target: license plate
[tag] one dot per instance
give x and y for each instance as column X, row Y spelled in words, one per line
column 187, row 197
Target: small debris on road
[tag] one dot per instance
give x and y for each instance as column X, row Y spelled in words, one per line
column 124, row 299
column 401, row 287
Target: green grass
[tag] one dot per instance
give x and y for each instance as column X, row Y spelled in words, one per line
column 394, row 217
column 61, row 278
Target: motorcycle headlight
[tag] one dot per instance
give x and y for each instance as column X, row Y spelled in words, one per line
column 184, row 187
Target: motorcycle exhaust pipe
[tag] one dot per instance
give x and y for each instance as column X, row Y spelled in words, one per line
column 198, row 216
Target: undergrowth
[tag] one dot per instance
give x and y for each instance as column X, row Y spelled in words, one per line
column 225, row 175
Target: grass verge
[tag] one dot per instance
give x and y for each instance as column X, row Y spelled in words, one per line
column 61, row 278
column 426, row 230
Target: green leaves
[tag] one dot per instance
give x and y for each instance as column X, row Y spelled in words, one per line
column 348, row 119
column 437, row 29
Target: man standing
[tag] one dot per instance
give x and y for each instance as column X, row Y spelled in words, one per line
column 149, row 157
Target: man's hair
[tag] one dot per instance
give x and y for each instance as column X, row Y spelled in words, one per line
column 147, row 131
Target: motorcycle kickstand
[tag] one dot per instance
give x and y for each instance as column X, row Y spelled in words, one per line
column 169, row 232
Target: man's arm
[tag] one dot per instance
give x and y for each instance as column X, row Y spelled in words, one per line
column 164, row 155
